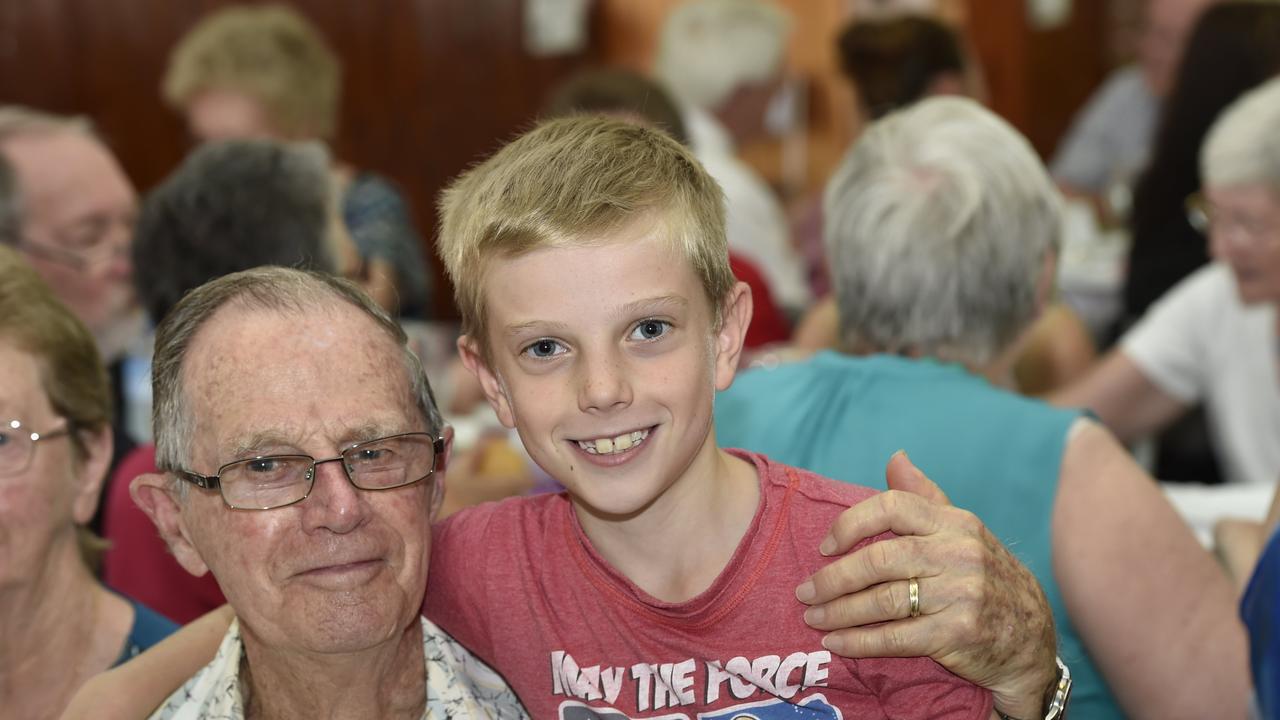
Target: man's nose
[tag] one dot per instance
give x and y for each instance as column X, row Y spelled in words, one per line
column 334, row 503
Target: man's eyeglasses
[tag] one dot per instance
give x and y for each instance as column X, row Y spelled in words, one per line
column 18, row 446
column 273, row 481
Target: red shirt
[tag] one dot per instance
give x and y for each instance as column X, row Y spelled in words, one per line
column 139, row 563
column 520, row 585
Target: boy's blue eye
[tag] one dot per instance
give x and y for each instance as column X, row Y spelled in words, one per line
column 544, row 348
column 650, row 329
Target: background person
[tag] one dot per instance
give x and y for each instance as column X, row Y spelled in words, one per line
column 266, row 72
column 73, row 210
column 941, row 225
column 722, row 61
column 1213, row 338
column 60, row 625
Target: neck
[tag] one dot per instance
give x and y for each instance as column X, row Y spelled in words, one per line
column 385, row 681
column 710, row 507
column 60, row 628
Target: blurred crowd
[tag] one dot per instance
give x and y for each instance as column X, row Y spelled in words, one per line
column 937, row 296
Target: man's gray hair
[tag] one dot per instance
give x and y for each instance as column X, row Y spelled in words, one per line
column 277, row 289
column 1243, row 145
column 15, row 121
column 708, row 48
column 937, row 224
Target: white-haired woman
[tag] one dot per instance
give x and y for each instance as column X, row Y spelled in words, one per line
column 942, row 226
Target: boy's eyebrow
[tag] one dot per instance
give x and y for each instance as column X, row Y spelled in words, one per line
column 539, row 325
column 674, row 302
column 635, row 307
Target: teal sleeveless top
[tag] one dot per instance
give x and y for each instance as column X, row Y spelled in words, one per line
column 995, row 453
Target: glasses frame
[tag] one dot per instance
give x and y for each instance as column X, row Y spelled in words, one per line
column 36, row 438
column 214, row 482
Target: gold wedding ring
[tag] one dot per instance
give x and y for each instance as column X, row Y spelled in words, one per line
column 913, row 596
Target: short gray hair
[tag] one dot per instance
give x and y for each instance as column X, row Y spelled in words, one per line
column 16, row 121
column 1243, row 145
column 708, row 48
column 938, row 223
column 277, row 289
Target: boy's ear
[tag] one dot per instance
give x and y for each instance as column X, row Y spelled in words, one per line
column 152, row 492
column 93, row 472
column 735, row 317
column 473, row 359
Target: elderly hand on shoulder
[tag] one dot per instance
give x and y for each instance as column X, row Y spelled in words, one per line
column 981, row 613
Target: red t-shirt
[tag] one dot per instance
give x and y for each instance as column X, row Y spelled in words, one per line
column 520, row 585
column 138, row 562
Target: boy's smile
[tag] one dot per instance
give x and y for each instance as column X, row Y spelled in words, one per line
column 606, row 360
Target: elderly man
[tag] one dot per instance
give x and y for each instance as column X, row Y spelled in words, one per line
column 71, row 210
column 303, row 451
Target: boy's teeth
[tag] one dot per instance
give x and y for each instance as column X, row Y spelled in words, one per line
column 609, row 446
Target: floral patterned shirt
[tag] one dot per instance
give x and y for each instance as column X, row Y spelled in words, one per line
column 458, row 684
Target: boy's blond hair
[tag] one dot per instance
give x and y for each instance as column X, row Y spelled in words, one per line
column 269, row 52
column 576, row 181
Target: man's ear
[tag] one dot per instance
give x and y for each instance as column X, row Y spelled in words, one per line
column 473, row 359
column 735, row 317
column 154, row 493
column 93, row 471
column 438, row 487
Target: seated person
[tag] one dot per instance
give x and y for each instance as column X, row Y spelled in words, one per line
column 60, row 625
column 1213, row 338
column 941, row 226
column 723, row 61
column 599, row 327
column 893, row 63
column 232, row 205
column 266, row 72
column 73, row 210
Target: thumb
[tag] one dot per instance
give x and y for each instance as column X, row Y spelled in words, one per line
column 902, row 474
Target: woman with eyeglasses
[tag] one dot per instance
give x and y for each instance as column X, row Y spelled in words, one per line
column 58, row 625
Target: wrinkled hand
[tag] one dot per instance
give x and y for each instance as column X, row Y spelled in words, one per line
column 982, row 615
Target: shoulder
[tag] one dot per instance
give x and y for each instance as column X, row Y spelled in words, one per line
column 495, row 528
column 1123, row 88
column 808, row 492
column 458, row 681
column 214, row 691
column 149, row 626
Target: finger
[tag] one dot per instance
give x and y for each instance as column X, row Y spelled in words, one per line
column 902, row 474
column 878, row 603
column 893, row 511
column 915, row 637
column 892, row 559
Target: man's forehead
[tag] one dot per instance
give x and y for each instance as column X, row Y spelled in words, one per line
column 49, row 163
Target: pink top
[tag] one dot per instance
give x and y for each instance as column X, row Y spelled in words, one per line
column 519, row 584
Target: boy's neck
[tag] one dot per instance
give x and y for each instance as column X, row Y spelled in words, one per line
column 708, row 509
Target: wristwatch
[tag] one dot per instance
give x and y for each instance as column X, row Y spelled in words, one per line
column 1056, row 698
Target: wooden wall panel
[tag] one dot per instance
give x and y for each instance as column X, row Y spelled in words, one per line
column 430, row 86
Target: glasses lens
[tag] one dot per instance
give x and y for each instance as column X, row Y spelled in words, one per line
column 15, row 449
column 1198, row 214
column 391, row 462
column 265, row 483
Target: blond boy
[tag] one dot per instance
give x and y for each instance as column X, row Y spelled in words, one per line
column 601, row 317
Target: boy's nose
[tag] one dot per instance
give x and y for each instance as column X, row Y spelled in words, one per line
column 603, row 383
